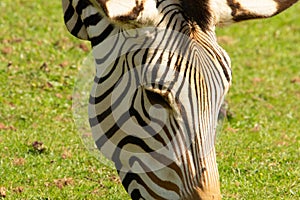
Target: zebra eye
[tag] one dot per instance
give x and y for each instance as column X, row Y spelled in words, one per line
column 158, row 97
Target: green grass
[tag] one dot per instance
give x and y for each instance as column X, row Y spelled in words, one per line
column 259, row 147
column 42, row 155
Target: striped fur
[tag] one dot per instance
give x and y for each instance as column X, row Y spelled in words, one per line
column 158, row 90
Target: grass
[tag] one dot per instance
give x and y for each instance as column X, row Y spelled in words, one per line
column 42, row 154
column 259, row 148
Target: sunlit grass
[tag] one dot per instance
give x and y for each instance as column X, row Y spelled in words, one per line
column 259, row 148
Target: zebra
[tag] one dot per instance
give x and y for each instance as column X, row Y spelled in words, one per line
column 160, row 81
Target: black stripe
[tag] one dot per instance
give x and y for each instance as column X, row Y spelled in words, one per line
column 98, row 81
column 77, row 27
column 137, row 195
column 98, row 39
column 103, row 139
column 168, row 185
column 110, row 52
column 81, row 5
column 69, row 12
column 223, row 67
column 143, row 105
column 92, row 20
column 79, row 24
column 134, row 113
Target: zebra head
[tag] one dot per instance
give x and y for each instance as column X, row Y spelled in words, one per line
column 160, row 81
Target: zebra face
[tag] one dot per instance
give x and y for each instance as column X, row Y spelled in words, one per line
column 154, row 106
column 158, row 90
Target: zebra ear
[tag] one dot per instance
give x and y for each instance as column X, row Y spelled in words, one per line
column 230, row 11
column 73, row 20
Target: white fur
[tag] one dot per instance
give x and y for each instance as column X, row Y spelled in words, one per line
column 261, row 8
column 221, row 12
column 119, row 7
column 149, row 12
